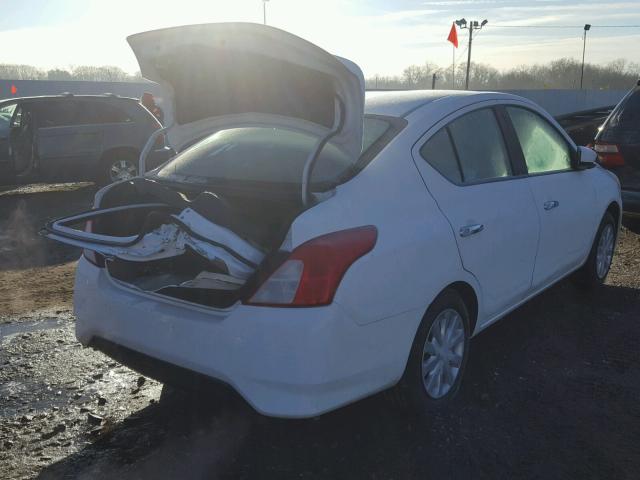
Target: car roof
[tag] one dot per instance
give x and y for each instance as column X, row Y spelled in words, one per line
column 70, row 96
column 400, row 103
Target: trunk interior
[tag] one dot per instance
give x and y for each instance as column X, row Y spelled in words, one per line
column 260, row 219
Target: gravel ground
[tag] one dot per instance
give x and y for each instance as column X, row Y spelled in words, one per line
column 551, row 391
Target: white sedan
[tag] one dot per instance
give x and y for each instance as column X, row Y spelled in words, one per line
column 311, row 245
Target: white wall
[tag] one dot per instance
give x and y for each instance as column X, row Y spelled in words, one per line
column 561, row 102
column 556, row 102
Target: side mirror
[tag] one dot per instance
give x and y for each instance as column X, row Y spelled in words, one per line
column 586, row 158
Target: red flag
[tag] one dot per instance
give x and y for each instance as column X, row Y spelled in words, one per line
column 453, row 35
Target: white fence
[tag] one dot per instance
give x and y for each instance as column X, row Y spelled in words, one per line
column 562, row 102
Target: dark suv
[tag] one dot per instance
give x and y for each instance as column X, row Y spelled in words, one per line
column 618, row 147
column 68, row 138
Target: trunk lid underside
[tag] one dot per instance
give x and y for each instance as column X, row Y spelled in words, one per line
column 230, row 74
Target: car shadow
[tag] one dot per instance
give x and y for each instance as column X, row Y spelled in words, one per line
column 632, row 223
column 550, row 391
column 23, row 212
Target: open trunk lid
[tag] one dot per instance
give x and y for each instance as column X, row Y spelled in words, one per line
column 235, row 74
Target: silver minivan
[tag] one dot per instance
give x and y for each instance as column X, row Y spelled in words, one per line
column 67, row 138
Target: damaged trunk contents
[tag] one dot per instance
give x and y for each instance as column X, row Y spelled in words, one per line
column 194, row 246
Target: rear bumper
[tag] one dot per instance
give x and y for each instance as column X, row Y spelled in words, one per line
column 152, row 367
column 285, row 362
column 631, row 202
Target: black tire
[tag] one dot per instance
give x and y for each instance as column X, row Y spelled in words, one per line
column 104, row 175
column 411, row 391
column 587, row 277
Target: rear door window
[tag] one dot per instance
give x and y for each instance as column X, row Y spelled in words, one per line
column 439, row 153
column 55, row 113
column 480, row 147
column 470, row 149
column 66, row 112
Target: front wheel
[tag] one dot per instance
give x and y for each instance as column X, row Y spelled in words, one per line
column 438, row 356
column 594, row 272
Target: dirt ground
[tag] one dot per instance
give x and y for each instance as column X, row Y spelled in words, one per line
column 30, row 264
column 551, row 391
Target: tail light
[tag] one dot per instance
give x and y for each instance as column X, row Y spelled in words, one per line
column 311, row 274
column 609, row 154
column 93, row 257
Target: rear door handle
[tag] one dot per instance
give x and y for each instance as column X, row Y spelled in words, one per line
column 469, row 230
column 551, row 204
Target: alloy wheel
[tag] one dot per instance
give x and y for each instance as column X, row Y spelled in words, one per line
column 122, row 170
column 443, row 353
column 604, row 252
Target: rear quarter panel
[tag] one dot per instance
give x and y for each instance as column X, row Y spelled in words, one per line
column 387, row 292
column 415, row 256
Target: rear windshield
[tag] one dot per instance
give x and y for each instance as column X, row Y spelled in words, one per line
column 273, row 155
column 623, row 126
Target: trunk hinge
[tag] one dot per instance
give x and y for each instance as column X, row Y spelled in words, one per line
column 309, row 165
column 142, row 160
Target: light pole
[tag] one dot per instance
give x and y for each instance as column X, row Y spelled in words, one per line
column 587, row 27
column 264, row 11
column 472, row 25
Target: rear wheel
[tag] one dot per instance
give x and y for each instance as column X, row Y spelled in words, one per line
column 438, row 356
column 594, row 272
column 119, row 166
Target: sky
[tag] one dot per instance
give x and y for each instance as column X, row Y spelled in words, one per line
column 382, row 36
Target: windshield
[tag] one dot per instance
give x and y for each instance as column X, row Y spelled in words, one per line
column 266, row 154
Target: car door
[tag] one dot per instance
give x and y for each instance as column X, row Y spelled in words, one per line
column 565, row 197
column 6, row 114
column 466, row 165
column 21, row 139
column 10, row 128
column 67, row 138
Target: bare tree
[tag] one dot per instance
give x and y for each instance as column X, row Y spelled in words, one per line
column 21, row 72
column 106, row 73
column 59, row 74
column 561, row 73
